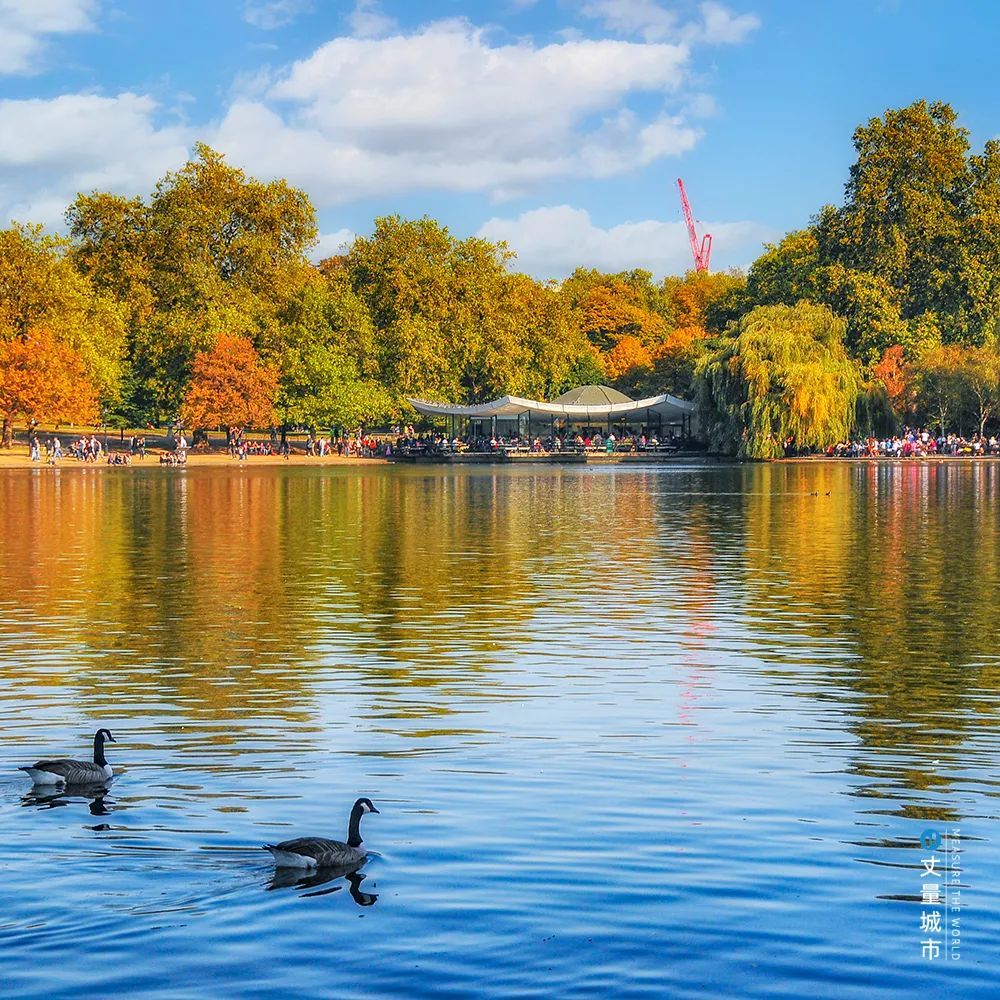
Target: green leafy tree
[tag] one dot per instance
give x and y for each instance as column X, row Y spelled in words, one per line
column 452, row 321
column 912, row 191
column 321, row 388
column 212, row 252
column 783, row 374
column 585, row 369
column 324, row 350
column 786, row 272
column 942, row 392
column 981, row 374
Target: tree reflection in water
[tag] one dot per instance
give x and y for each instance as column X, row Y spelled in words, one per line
column 259, row 602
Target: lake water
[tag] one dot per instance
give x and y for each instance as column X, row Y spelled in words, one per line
column 645, row 732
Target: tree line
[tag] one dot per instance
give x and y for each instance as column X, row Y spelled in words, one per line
column 200, row 303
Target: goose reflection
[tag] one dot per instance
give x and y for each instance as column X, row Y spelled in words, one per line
column 48, row 798
column 291, row 878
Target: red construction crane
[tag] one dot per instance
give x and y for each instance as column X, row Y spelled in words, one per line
column 703, row 251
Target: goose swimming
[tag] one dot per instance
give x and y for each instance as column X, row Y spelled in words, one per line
column 317, row 852
column 75, row 772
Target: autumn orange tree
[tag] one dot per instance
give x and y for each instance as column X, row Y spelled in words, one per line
column 625, row 357
column 896, row 377
column 702, row 299
column 43, row 379
column 612, row 311
column 230, row 387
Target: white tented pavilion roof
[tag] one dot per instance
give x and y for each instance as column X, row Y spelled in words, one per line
column 597, row 406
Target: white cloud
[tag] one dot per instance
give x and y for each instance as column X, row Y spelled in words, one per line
column 368, row 21
column 446, row 109
column 552, row 242
column 271, row 14
column 80, row 142
column 722, row 27
column 634, row 17
column 332, row 244
column 24, row 25
column 653, row 22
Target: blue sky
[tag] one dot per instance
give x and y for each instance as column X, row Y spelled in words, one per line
column 558, row 125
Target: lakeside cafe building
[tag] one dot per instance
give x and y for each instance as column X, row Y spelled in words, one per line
column 586, row 409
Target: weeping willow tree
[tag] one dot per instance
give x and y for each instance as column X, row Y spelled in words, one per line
column 780, row 374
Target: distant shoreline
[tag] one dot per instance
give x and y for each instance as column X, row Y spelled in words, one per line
column 880, row 459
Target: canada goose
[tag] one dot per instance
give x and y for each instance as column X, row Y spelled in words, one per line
column 316, row 852
column 75, row 772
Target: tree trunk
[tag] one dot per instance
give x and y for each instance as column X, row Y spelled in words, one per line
column 8, row 432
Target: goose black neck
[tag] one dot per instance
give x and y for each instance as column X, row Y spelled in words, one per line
column 99, row 757
column 354, row 830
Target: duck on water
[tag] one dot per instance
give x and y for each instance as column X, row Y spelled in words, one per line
column 75, row 772
column 318, row 852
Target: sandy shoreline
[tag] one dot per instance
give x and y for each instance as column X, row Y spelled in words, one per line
column 17, row 458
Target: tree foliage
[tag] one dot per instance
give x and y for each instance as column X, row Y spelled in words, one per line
column 783, row 374
column 626, row 358
column 230, row 387
column 912, row 257
column 212, row 251
column 895, row 376
column 42, row 378
column 41, row 289
column 453, row 322
column 981, row 375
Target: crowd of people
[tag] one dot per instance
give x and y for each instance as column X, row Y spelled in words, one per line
column 582, row 441
column 89, row 448
column 321, row 446
column 917, row 443
column 240, row 447
column 53, row 449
